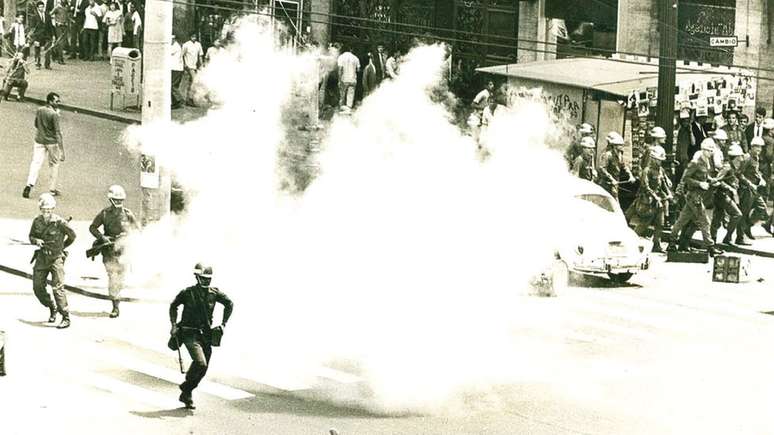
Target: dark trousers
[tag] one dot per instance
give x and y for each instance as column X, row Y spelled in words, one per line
column 19, row 84
column 200, row 353
column 39, row 46
column 753, row 209
column 60, row 42
column 725, row 205
column 75, row 45
column 658, row 225
column 693, row 212
column 39, row 278
column 89, row 42
column 177, row 97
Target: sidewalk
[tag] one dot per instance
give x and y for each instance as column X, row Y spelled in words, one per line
column 85, row 88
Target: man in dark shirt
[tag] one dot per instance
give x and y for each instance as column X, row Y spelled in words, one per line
column 116, row 222
column 194, row 329
column 53, row 235
column 48, row 142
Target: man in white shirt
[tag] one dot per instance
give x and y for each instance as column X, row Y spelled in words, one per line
column 391, row 66
column 18, row 33
column 192, row 54
column 92, row 17
column 176, row 63
column 213, row 51
column 349, row 65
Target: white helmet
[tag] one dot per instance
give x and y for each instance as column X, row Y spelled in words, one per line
column 116, row 192
column 657, row 152
column 586, row 128
column 615, row 138
column 657, row 133
column 46, row 200
column 588, row 142
column 708, row 144
column 757, row 141
column 735, row 151
column 203, row 269
column 721, row 134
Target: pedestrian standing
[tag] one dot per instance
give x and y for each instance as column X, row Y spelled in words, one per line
column 213, row 51
column 391, row 65
column 193, row 56
column 349, row 66
column 176, row 64
column 653, row 198
column 52, row 235
column 735, row 132
column 132, row 27
column 16, row 76
column 115, row 32
column 755, row 129
column 78, row 16
column 370, row 81
column 93, row 16
column 60, row 19
column 41, row 32
column 612, row 165
column 18, row 33
column 195, row 328
column 101, row 30
column 48, row 143
column 116, row 222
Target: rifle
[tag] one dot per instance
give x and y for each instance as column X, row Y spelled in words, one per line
column 97, row 247
column 46, row 242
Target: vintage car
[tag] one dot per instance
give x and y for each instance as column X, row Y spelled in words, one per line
column 597, row 239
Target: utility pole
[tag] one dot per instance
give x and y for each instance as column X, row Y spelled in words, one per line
column 156, row 106
column 665, row 110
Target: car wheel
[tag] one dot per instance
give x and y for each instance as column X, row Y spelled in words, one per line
column 560, row 277
column 620, row 278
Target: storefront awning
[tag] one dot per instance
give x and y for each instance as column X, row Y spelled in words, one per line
column 602, row 74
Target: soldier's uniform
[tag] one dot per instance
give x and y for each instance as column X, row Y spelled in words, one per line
column 584, row 168
column 610, row 170
column 726, row 200
column 116, row 222
column 572, row 153
column 650, row 205
column 56, row 235
column 694, row 210
column 195, row 328
column 753, row 205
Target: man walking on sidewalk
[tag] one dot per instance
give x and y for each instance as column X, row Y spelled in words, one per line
column 52, row 235
column 194, row 329
column 116, row 222
column 48, row 143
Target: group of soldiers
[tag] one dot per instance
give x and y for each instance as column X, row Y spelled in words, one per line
column 720, row 177
column 53, row 234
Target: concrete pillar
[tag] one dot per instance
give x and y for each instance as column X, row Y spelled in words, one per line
column 320, row 21
column 533, row 26
column 636, row 21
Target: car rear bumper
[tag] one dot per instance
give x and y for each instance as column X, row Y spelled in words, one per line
column 614, row 265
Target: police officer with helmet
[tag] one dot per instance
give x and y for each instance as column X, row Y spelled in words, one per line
column 583, row 166
column 195, row 328
column 726, row 197
column 52, row 235
column 116, row 222
column 612, row 165
column 575, row 149
column 652, row 198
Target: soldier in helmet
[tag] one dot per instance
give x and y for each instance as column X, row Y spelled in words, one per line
column 583, row 167
column 576, row 148
column 657, row 137
column 116, row 222
column 195, row 327
column 751, row 184
column 613, row 165
column 654, row 194
column 696, row 182
column 52, row 235
column 726, row 197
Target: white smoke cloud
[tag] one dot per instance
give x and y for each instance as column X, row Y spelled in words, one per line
column 404, row 261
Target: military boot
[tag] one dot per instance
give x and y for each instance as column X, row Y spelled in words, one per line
column 65, row 322
column 115, row 312
column 187, row 399
column 52, row 313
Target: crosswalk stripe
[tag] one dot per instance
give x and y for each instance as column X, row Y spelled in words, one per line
column 208, row 387
column 134, row 392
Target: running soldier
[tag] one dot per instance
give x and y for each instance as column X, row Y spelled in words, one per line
column 726, row 198
column 613, row 165
column 583, row 167
column 116, row 222
column 653, row 198
column 695, row 183
column 750, row 186
column 52, row 235
column 195, row 327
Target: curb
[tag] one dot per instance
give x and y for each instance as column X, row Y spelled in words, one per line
column 90, row 112
column 67, row 287
column 696, row 243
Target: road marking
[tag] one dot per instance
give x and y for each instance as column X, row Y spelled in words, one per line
column 175, row 377
column 134, row 392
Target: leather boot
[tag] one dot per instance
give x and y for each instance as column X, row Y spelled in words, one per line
column 115, row 312
column 65, row 322
column 52, row 313
column 187, row 399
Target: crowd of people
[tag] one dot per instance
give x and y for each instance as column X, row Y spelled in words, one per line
column 718, row 175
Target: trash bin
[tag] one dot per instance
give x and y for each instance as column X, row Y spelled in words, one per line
column 125, row 77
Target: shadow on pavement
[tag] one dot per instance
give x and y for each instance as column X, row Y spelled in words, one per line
column 41, row 324
column 177, row 413
column 15, row 293
column 593, row 281
column 285, row 404
column 89, row 314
